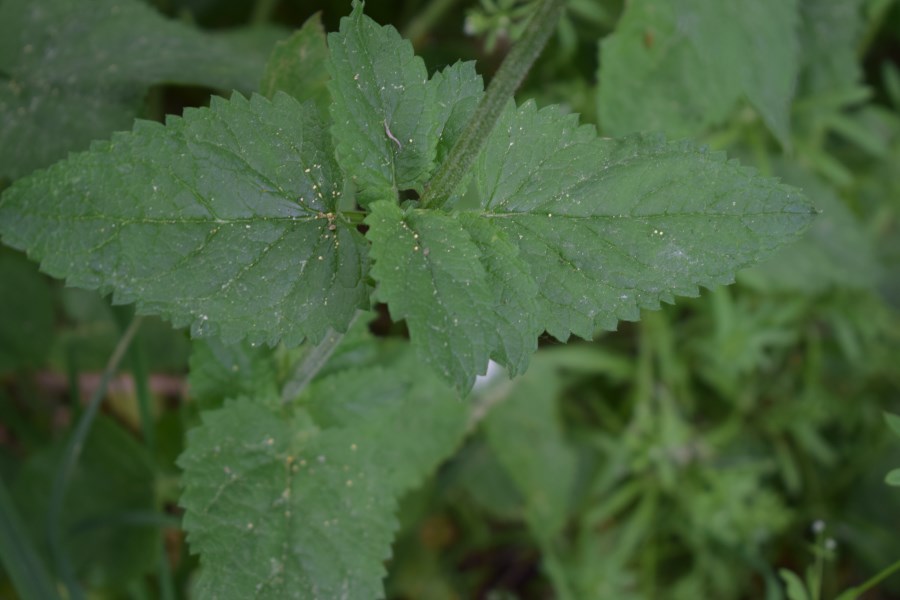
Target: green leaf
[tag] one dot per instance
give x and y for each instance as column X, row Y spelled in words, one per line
column 219, row 371
column 680, row 67
column 301, row 501
column 525, row 433
column 222, row 220
column 428, row 271
column 383, row 108
column 388, row 116
column 612, row 226
column 73, row 74
column 830, row 31
column 893, row 478
column 589, row 229
column 893, row 422
column 297, row 65
column 26, row 314
column 796, row 589
column 836, row 251
column 465, row 295
column 109, row 520
column 459, row 89
column 18, row 555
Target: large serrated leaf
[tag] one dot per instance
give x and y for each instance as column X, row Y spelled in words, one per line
column 612, row 226
column 74, row 73
column 389, row 118
column 603, row 229
column 681, row 66
column 222, row 220
column 300, row 502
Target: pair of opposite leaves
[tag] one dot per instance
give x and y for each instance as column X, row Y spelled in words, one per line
column 229, row 219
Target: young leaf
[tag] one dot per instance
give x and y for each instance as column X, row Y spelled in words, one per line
column 459, row 89
column 300, row 502
column 388, row 116
column 603, row 228
column 222, row 220
column 679, row 67
column 893, row 478
column 383, row 109
column 74, row 74
column 297, row 65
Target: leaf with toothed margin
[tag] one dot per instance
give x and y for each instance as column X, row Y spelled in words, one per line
column 573, row 233
column 300, row 501
column 389, row 118
column 222, row 220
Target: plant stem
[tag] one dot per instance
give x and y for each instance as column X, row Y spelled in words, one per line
column 881, row 576
column 354, row 216
column 501, row 89
column 312, row 363
column 70, row 461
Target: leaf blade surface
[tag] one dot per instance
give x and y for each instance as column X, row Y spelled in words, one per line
column 223, row 220
column 300, row 502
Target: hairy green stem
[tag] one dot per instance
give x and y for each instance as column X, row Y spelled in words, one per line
column 70, row 461
column 501, row 89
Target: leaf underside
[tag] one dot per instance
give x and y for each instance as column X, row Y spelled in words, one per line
column 222, row 220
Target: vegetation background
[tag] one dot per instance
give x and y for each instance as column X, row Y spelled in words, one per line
column 694, row 454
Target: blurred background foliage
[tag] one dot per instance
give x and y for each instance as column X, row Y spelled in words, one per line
column 693, row 454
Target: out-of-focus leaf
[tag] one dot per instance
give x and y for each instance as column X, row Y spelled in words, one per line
column 298, row 65
column 836, row 251
column 75, row 72
column 26, row 313
column 109, row 534
column 680, row 66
